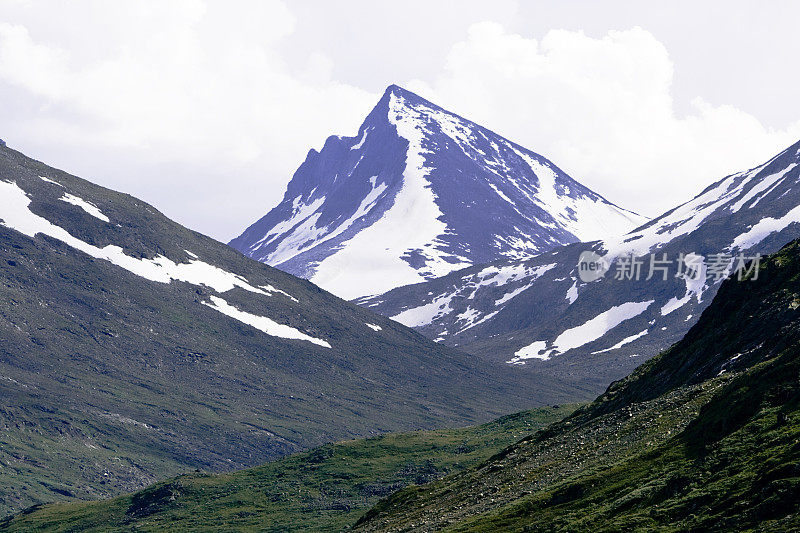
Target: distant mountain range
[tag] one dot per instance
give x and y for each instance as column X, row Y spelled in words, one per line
column 132, row 348
column 418, row 193
column 538, row 312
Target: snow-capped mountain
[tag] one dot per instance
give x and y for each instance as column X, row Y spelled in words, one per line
column 143, row 349
column 539, row 312
column 418, row 193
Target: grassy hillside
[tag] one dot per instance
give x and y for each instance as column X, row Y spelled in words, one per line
column 110, row 381
column 705, row 437
column 326, row 489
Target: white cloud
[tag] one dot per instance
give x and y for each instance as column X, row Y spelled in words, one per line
column 182, row 84
column 205, row 109
column 602, row 109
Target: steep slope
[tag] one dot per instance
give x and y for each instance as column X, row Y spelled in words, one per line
column 538, row 312
column 326, row 489
column 132, row 349
column 703, row 437
column 418, row 193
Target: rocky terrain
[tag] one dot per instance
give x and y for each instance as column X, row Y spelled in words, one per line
column 133, row 349
column 539, row 314
column 418, row 193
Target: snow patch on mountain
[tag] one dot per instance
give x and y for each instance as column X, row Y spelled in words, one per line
column 764, row 228
column 498, row 277
column 303, row 231
column 580, row 215
column 765, row 186
column 530, row 275
column 360, row 143
column 48, row 180
column 584, row 334
column 681, row 221
column 728, row 195
column 412, row 223
column 270, row 289
column 89, row 207
column 471, row 318
column 425, row 314
column 623, row 342
column 696, row 284
column 572, row 293
column 262, row 323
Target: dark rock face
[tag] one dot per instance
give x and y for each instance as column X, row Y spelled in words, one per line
column 418, row 193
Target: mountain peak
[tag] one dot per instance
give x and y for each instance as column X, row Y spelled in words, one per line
column 393, row 88
column 393, row 97
column 399, row 91
column 402, row 97
column 417, row 193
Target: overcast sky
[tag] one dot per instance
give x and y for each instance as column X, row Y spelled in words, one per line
column 205, row 109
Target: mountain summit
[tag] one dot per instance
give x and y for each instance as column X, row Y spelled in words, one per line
column 418, row 193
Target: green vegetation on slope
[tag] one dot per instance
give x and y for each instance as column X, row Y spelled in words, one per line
column 705, row 437
column 110, row 382
column 49, row 452
column 325, row 489
column 720, row 473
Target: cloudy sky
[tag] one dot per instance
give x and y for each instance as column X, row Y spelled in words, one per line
column 205, row 109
